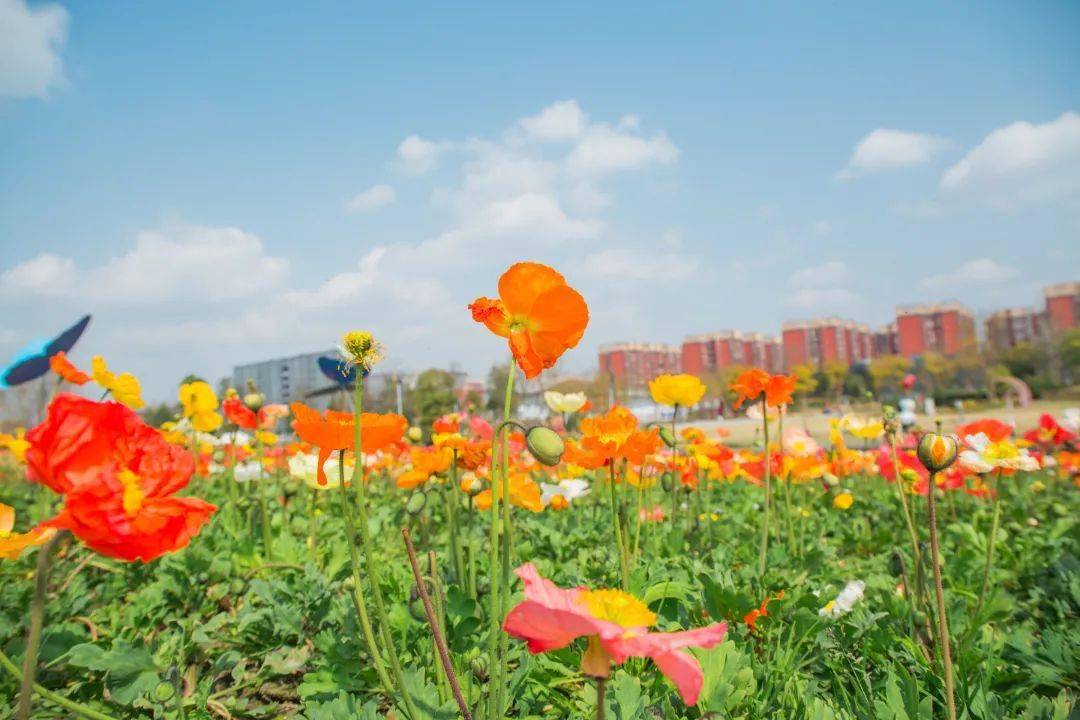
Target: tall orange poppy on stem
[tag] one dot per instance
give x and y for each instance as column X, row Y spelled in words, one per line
column 335, row 431
column 537, row 312
column 751, row 384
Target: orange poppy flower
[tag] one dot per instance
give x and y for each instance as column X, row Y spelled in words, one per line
column 335, row 431
column 537, row 312
column 751, row 384
column 756, row 614
column 425, row 463
column 66, row 369
column 524, row 493
column 615, row 435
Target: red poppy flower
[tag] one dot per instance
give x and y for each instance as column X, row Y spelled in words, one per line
column 537, row 312
column 1049, row 432
column 244, row 417
column 118, row 476
column 63, row 367
column 78, row 437
column 993, row 429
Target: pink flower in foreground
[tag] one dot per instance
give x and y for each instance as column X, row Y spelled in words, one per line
column 617, row 625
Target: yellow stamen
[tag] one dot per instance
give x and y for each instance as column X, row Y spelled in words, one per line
column 618, row 607
column 133, row 494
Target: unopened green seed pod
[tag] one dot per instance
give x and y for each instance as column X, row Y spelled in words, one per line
column 668, row 437
column 545, row 445
column 416, row 503
column 667, row 481
column 937, row 452
column 164, row 692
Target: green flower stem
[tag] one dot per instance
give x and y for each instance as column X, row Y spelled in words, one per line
column 313, row 521
column 991, row 541
column 676, row 478
column 508, row 537
column 56, row 699
column 453, row 504
column 260, row 493
column 917, row 555
column 359, row 602
column 764, row 549
column 601, row 698
column 37, row 619
column 616, row 523
column 939, row 593
column 370, row 558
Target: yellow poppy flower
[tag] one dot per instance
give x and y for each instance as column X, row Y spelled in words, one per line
column 124, row 387
column 682, row 390
column 843, row 501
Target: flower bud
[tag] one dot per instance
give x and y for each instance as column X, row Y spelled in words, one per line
column 416, row 503
column 937, row 452
column 545, row 445
column 415, row 434
column 667, row 436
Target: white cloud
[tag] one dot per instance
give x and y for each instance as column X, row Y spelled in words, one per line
column 46, row 274
column 884, row 149
column 418, row 155
column 605, row 149
column 1021, row 162
column 973, row 272
column 563, row 120
column 634, row 264
column 373, row 198
column 30, row 43
column 818, row 276
column 189, row 264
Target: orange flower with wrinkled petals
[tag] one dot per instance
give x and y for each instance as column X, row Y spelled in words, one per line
column 524, row 493
column 537, row 312
column 753, row 383
column 336, row 431
column 66, row 369
column 425, row 463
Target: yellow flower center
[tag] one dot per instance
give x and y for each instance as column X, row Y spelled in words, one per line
column 618, row 607
column 133, row 494
column 1001, row 451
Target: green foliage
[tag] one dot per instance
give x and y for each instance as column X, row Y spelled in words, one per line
column 254, row 639
column 433, row 396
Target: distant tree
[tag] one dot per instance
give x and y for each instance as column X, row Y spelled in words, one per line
column 160, row 413
column 887, row 371
column 937, row 371
column 1069, row 354
column 1026, row 360
column 834, row 373
column 191, row 378
column 434, row 397
column 496, row 387
column 598, row 391
column 806, row 381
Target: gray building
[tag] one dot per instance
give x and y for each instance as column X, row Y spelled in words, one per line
column 285, row 380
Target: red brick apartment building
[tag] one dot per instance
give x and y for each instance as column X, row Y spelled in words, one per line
column 1012, row 326
column 1062, row 306
column 715, row 351
column 945, row 328
column 823, row 340
column 635, row 364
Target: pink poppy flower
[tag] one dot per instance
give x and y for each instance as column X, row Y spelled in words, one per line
column 617, row 625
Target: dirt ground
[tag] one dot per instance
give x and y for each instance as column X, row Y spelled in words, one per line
column 816, row 422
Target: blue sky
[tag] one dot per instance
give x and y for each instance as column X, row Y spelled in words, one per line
column 224, row 182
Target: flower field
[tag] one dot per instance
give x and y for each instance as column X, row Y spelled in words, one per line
column 255, row 560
